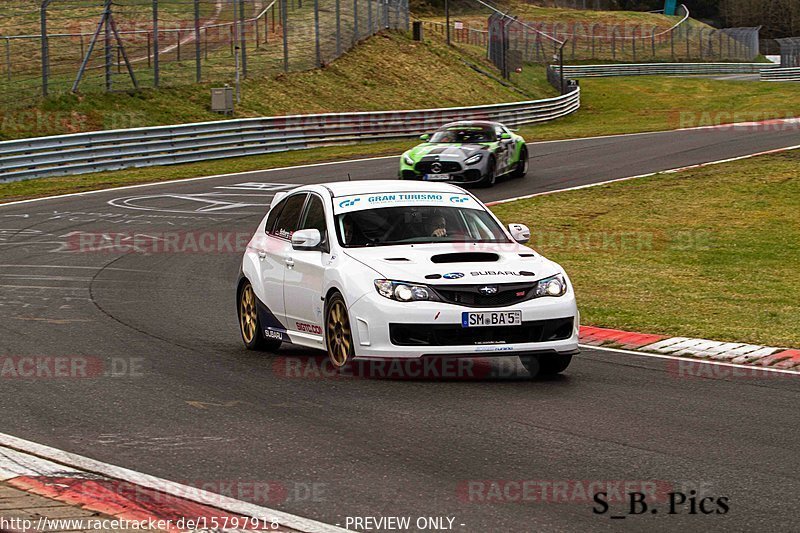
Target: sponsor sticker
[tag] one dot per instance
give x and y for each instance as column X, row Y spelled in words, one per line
column 360, row 202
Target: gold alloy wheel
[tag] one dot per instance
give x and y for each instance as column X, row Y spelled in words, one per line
column 338, row 334
column 248, row 318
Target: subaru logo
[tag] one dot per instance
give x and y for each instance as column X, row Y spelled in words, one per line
column 436, row 167
column 453, row 275
column 489, row 289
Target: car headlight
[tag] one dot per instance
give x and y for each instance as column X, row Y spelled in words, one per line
column 407, row 160
column 403, row 292
column 552, row 286
column 474, row 159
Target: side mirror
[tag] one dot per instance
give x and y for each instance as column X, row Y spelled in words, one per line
column 505, row 136
column 520, row 233
column 424, row 137
column 306, row 239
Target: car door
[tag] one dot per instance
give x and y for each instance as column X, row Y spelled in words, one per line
column 505, row 151
column 272, row 256
column 304, row 277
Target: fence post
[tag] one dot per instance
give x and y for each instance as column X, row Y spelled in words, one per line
column 179, row 46
column 109, row 57
column 149, row 48
column 653, row 40
column 338, row 28
column 316, row 34
column 45, row 47
column 369, row 18
column 688, row 50
column 198, row 67
column 285, row 32
column 243, row 38
column 672, row 44
column 155, row 45
column 355, row 21
column 8, row 59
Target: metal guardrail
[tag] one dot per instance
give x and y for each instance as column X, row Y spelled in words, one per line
column 780, row 74
column 142, row 147
column 661, row 69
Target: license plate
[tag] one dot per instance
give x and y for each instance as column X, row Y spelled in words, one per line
column 436, row 177
column 491, row 318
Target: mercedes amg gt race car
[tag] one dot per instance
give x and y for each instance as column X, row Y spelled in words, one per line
column 377, row 269
column 470, row 152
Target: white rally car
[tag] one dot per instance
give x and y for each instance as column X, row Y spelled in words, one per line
column 387, row 269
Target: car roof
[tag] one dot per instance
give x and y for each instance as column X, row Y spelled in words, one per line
column 347, row 188
column 472, row 123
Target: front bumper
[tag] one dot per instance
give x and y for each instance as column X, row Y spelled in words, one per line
column 465, row 177
column 371, row 316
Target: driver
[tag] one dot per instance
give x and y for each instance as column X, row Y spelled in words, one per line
column 438, row 226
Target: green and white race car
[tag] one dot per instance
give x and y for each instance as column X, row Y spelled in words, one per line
column 467, row 152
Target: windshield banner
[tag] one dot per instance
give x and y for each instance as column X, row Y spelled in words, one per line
column 360, row 202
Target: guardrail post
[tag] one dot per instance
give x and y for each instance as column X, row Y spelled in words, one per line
column 653, row 40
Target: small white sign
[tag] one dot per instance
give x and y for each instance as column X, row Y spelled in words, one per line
column 459, row 25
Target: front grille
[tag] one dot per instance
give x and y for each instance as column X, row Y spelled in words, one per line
column 456, row 335
column 447, row 167
column 471, row 296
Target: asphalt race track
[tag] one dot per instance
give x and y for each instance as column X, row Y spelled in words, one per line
column 191, row 405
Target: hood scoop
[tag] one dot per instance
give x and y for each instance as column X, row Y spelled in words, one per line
column 466, row 257
column 397, row 259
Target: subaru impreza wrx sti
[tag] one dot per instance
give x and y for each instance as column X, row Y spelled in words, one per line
column 397, row 270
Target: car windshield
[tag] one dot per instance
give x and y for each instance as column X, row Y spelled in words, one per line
column 464, row 134
column 387, row 226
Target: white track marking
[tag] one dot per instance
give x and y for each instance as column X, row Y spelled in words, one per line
column 200, row 178
column 690, row 360
column 15, row 464
column 224, row 503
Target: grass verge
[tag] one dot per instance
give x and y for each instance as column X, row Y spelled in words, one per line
column 655, row 103
column 712, row 252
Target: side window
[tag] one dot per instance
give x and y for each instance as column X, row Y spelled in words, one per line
column 273, row 217
column 498, row 131
column 315, row 216
column 289, row 217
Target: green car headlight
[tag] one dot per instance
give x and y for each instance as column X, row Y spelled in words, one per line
column 408, row 161
column 474, row 159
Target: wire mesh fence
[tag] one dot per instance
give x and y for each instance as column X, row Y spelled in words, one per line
column 789, row 51
column 56, row 46
column 513, row 42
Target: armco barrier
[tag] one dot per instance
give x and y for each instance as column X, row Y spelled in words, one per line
column 661, row 69
column 780, row 74
column 119, row 149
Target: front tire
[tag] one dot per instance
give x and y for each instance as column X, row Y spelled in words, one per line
column 521, row 167
column 250, row 324
column 490, row 178
column 545, row 365
column 338, row 335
